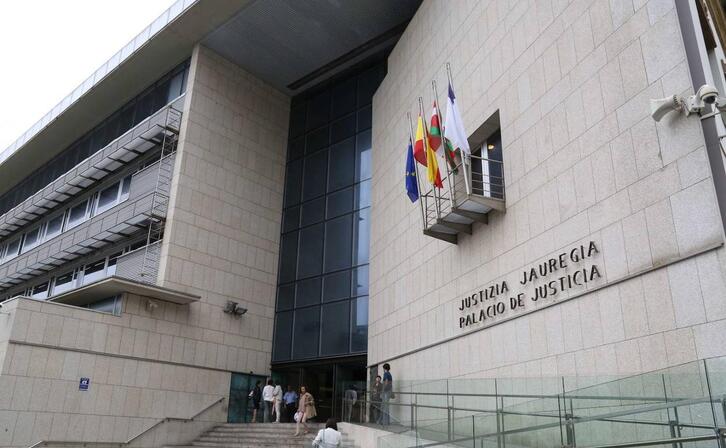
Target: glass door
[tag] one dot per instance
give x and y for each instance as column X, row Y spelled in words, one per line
column 240, row 404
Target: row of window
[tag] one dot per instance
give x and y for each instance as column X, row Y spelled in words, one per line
column 81, row 275
column 158, row 95
column 66, row 219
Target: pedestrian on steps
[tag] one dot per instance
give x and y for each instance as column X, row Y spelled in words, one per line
column 328, row 437
column 277, row 402
column 305, row 411
column 256, row 396
column 267, row 398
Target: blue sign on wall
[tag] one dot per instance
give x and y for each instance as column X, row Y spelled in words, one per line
column 83, row 385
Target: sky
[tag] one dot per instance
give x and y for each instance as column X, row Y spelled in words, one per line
column 48, row 47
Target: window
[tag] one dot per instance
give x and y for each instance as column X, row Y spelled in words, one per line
column 12, row 249
column 108, row 305
column 54, row 227
column 32, row 238
column 77, row 214
column 94, row 271
column 107, row 198
column 113, row 195
column 40, row 291
column 64, row 282
column 112, row 261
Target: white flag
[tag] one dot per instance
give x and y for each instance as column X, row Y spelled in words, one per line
column 454, row 127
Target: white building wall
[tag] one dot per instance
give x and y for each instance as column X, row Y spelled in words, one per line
column 139, row 365
column 222, row 238
column 583, row 162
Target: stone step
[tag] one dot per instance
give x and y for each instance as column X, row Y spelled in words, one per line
column 252, row 437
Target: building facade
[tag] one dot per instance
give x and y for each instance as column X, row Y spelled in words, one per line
column 223, row 201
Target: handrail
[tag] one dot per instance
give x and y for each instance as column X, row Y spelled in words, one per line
column 129, row 441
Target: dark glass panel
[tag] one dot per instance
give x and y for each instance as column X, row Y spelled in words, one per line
column 297, row 120
column 340, row 202
column 288, row 257
column 306, row 333
column 359, row 324
column 338, row 234
column 363, row 156
column 360, row 281
column 336, row 286
column 293, row 182
column 365, row 118
column 342, row 162
column 296, row 148
column 361, row 242
column 336, row 328
column 363, row 194
column 308, row 292
column 313, row 212
column 343, row 128
column 283, row 335
column 317, row 140
column 286, row 297
column 368, row 83
column 311, row 251
column 344, row 97
column 318, row 110
column 314, row 176
column 291, row 219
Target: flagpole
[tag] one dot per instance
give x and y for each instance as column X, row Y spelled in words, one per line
column 426, row 143
column 449, row 172
column 415, row 167
column 464, row 155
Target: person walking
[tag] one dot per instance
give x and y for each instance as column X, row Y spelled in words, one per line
column 277, row 402
column 387, row 394
column 350, row 398
column 290, row 400
column 305, row 411
column 256, row 396
column 376, row 390
column 267, row 398
column 329, row 437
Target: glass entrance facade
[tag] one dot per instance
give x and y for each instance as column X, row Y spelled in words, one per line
column 323, row 280
column 322, row 297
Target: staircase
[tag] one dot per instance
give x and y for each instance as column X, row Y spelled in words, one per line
column 254, row 435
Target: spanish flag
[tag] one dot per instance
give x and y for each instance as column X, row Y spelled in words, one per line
column 432, row 165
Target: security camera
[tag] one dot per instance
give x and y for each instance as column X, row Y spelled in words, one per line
column 234, row 308
column 660, row 107
column 707, row 94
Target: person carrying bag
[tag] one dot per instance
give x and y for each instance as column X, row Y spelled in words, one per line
column 328, row 437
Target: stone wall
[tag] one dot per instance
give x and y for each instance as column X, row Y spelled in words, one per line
column 222, row 239
column 138, row 364
column 583, row 162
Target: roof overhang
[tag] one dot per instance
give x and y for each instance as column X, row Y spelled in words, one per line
column 113, row 286
column 165, row 50
column 290, row 44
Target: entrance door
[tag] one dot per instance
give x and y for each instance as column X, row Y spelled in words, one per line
column 240, row 405
column 320, row 382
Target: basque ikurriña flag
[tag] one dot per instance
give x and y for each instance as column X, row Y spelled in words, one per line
column 411, row 181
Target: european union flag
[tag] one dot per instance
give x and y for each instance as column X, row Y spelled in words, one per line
column 411, row 181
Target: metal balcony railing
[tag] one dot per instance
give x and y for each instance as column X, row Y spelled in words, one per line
column 473, row 188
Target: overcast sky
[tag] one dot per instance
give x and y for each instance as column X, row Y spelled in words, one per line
column 48, row 47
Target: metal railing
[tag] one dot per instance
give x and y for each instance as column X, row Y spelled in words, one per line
column 678, row 406
column 471, row 176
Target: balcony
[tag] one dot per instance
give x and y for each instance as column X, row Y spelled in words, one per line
column 99, row 231
column 134, row 143
column 472, row 190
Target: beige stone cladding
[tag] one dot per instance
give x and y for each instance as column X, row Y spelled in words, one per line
column 139, row 365
column 583, row 162
column 222, row 239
